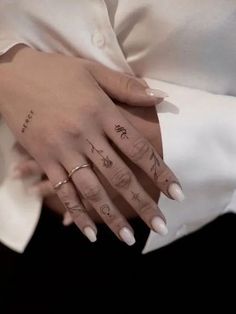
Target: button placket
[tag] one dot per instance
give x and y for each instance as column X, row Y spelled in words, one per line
column 98, row 39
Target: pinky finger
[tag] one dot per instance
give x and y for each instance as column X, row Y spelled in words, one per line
column 67, row 219
column 72, row 202
column 42, row 188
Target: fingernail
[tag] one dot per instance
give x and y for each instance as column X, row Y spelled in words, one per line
column 67, row 219
column 159, row 226
column 156, row 93
column 90, row 234
column 127, row 236
column 176, row 192
column 33, row 191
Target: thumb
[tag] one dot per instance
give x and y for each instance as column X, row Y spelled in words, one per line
column 125, row 88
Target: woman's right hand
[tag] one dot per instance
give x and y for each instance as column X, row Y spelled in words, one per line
column 58, row 108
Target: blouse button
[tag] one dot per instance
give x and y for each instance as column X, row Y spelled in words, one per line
column 98, row 40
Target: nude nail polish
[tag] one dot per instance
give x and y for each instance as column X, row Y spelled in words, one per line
column 90, row 234
column 159, row 226
column 127, row 236
column 157, row 93
column 176, row 192
column 67, row 219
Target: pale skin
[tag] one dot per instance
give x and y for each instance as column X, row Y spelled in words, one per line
column 60, row 110
column 146, row 122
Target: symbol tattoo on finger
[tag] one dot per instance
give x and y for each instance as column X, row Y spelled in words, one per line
column 106, row 210
column 122, row 131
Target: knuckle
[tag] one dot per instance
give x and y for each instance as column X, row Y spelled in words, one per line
column 164, row 176
column 122, row 179
column 146, row 207
column 93, row 108
column 64, row 194
column 127, row 82
column 91, row 192
column 139, row 149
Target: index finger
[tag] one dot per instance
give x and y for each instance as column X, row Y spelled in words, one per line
column 140, row 151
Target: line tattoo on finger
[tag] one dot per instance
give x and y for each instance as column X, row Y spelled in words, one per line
column 75, row 208
column 123, row 132
column 106, row 160
column 28, row 119
column 155, row 165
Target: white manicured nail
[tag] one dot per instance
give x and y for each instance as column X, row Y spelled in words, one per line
column 156, row 93
column 127, row 236
column 159, row 226
column 67, row 219
column 176, row 192
column 90, row 234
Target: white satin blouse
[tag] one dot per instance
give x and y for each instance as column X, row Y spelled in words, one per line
column 186, row 48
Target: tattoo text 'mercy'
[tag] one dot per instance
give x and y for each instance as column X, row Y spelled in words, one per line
column 27, row 121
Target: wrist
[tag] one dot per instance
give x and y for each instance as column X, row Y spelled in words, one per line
column 7, row 67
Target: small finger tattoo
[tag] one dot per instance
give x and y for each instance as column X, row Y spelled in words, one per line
column 155, row 165
column 106, row 160
column 106, row 210
column 75, row 208
column 27, row 121
column 136, row 197
column 122, row 131
column 141, row 203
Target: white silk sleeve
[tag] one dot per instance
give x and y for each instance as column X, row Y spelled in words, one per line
column 199, row 144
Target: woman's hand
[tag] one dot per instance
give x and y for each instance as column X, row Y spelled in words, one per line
column 58, row 110
column 146, row 122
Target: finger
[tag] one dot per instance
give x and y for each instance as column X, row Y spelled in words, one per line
column 93, row 192
column 27, row 168
column 71, row 200
column 67, row 219
column 143, row 154
column 125, row 88
column 125, row 183
column 42, row 188
column 21, row 150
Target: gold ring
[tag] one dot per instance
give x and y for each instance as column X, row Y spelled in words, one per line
column 60, row 183
column 77, row 168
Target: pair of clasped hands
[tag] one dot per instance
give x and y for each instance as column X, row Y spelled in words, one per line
column 67, row 112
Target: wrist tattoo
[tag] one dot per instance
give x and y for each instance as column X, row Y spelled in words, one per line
column 106, row 210
column 75, row 208
column 155, row 165
column 106, row 160
column 122, row 131
column 27, row 121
